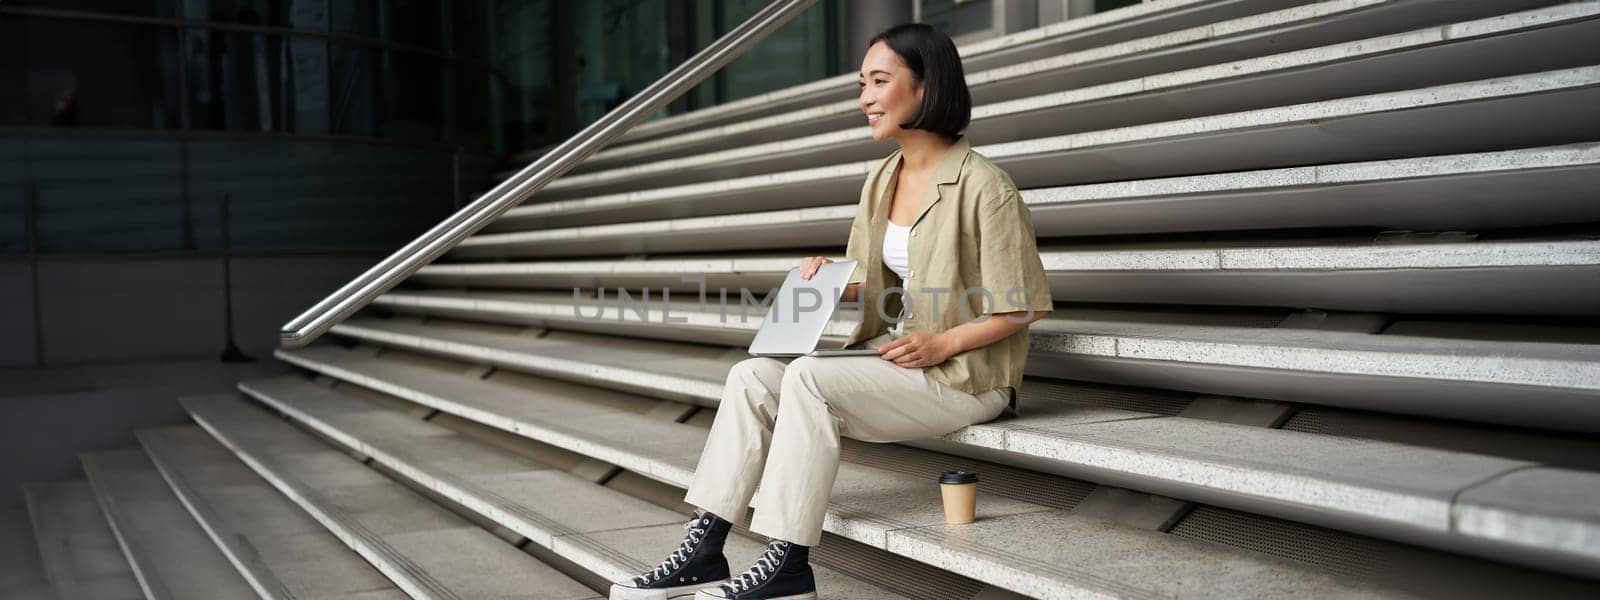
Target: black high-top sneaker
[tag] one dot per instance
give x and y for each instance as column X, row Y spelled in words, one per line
column 697, row 563
column 783, row 572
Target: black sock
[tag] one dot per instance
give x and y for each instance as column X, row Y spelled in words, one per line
column 803, row 553
column 716, row 531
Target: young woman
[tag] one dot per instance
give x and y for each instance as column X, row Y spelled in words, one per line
column 947, row 230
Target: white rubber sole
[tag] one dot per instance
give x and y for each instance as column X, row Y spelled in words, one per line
column 706, row 595
column 684, row 592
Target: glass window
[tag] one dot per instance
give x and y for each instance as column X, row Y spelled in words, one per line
column 129, row 201
column 247, row 173
column 316, row 195
column 13, row 221
column 305, row 88
column 956, row 19
column 478, row 174
column 476, row 109
column 140, row 8
column 359, row 17
column 793, row 55
column 232, row 78
column 621, row 49
column 524, row 53
column 704, row 26
column 356, row 90
column 414, row 99
column 308, row 15
column 97, row 74
column 244, row 12
column 418, row 22
column 13, row 71
column 470, row 30
column 333, row 195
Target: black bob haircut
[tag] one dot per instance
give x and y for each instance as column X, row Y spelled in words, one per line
column 932, row 58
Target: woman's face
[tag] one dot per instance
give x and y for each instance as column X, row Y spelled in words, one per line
column 890, row 94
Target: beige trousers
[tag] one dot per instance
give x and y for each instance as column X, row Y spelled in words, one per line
column 779, row 425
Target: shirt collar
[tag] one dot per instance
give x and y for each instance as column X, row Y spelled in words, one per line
column 948, row 170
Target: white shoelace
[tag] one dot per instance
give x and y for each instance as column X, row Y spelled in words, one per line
column 676, row 559
column 764, row 567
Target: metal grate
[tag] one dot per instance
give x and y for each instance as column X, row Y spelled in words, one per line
column 1307, row 421
column 1341, row 553
column 907, row 577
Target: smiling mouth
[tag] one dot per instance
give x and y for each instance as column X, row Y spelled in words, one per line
column 874, row 117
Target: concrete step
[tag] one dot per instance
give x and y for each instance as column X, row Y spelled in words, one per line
column 1076, row 95
column 426, row 550
column 279, row 549
column 884, row 509
column 1517, row 277
column 1545, row 108
column 1544, row 38
column 1515, row 188
column 21, row 572
column 1478, row 191
column 79, row 553
column 168, row 551
column 1395, row 491
column 1106, row 28
column 595, row 527
column 1556, row 383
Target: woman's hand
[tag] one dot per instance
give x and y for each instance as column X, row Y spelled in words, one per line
column 918, row 349
column 810, row 264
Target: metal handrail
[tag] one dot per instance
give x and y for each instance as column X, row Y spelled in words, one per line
column 382, row 277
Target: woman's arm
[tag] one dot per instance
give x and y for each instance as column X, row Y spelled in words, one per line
column 982, row 332
column 851, row 291
column 919, row 349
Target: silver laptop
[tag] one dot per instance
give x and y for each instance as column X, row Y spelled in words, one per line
column 801, row 311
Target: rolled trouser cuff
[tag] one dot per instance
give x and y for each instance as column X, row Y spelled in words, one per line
column 728, row 508
column 804, row 534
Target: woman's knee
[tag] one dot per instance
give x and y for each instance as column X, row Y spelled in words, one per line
column 760, row 370
column 802, row 374
column 803, row 365
column 761, row 375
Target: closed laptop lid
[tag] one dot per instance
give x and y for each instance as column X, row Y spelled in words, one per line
column 801, row 310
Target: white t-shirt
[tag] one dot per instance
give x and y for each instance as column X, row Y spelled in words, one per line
column 896, row 257
column 894, row 249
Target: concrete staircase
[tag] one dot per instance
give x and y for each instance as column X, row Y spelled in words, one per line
column 1327, row 279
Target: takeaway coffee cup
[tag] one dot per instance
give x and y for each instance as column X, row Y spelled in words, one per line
column 960, row 492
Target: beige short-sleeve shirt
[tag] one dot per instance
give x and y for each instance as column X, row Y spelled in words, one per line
column 972, row 252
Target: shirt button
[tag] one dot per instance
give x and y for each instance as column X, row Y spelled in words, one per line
column 913, row 233
column 911, row 273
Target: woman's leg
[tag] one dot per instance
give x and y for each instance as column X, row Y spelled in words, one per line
column 865, row 398
column 736, row 450
column 722, row 484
